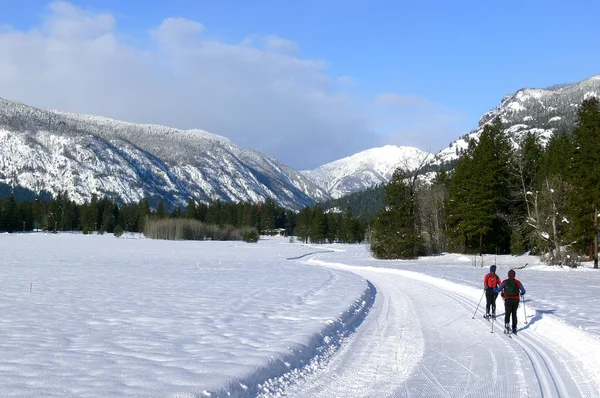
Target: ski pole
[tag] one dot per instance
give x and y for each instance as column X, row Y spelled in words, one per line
column 493, row 320
column 524, row 311
column 478, row 304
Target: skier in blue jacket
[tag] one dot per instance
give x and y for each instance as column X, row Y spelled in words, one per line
column 511, row 288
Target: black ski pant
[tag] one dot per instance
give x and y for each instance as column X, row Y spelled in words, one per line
column 511, row 305
column 490, row 299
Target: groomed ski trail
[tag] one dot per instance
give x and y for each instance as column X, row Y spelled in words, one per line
column 419, row 340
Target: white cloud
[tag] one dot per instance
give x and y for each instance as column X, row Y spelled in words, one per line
column 279, row 44
column 259, row 93
column 416, row 121
column 177, row 30
column 346, row 81
column 67, row 21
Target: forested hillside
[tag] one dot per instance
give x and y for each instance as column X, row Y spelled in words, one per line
column 503, row 199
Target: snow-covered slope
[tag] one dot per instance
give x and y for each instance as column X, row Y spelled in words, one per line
column 540, row 111
column 81, row 154
column 365, row 169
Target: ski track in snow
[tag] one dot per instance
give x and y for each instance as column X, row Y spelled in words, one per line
column 420, row 340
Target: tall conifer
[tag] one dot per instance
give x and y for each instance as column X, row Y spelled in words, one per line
column 478, row 204
column 584, row 202
column 395, row 234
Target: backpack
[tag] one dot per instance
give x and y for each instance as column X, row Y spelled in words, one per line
column 493, row 281
column 511, row 288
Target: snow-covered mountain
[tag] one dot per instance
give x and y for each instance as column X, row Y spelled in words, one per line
column 81, row 154
column 540, row 111
column 46, row 150
column 366, row 169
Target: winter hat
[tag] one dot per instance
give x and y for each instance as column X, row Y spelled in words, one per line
column 512, row 273
column 493, row 268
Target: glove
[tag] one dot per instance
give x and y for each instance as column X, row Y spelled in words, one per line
column 502, row 294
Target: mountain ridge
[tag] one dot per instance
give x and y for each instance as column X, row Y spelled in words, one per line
column 82, row 154
column 366, row 169
column 540, row 111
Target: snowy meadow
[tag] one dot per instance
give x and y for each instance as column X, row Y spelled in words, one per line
column 115, row 317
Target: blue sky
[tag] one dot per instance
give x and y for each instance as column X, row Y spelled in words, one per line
column 351, row 74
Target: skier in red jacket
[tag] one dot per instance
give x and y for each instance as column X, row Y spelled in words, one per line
column 490, row 282
column 511, row 288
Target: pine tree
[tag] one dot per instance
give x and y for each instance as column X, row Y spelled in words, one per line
column 557, row 156
column 526, row 164
column 109, row 221
column 318, row 229
column 333, row 222
column 161, row 212
column 478, row 205
column 303, row 224
column 143, row 213
column 549, row 198
column 290, row 222
column 584, row 202
column 190, row 210
column 267, row 216
column 346, row 228
column 9, row 215
column 457, row 207
column 395, row 234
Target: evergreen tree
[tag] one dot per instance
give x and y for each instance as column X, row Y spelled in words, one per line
column 557, row 157
column 266, row 216
column 118, row 231
column 143, row 213
column 109, row 218
column 37, row 212
column 347, row 226
column 94, row 214
column 333, row 222
column 176, row 213
column 527, row 161
column 9, row 217
column 290, row 222
column 190, row 210
column 201, row 211
column 25, row 216
column 303, row 224
column 161, row 212
column 549, row 200
column 318, row 228
column 128, row 217
column 478, row 206
column 457, row 208
column 395, row 234
column 230, row 216
column 584, row 202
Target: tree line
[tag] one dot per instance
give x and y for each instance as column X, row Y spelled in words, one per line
column 500, row 198
column 317, row 226
column 106, row 215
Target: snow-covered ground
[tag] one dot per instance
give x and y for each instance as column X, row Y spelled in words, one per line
column 115, row 317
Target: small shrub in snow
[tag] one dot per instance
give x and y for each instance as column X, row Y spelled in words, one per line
column 118, row 231
column 250, row 236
